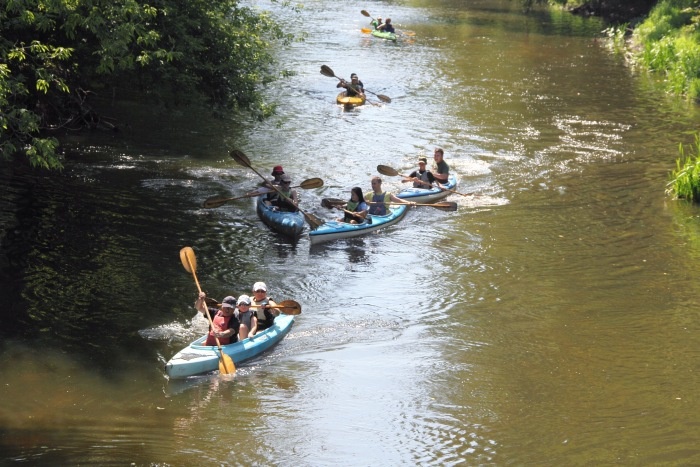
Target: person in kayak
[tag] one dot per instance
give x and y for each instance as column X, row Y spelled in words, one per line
column 377, row 22
column 266, row 315
column 422, row 178
column 225, row 320
column 355, row 88
column 386, row 27
column 378, row 199
column 245, row 316
column 289, row 202
column 442, row 170
column 265, row 186
column 357, row 205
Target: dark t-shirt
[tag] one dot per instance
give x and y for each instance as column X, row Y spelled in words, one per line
column 352, row 87
column 443, row 169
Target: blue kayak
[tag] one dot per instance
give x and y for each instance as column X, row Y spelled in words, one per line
column 197, row 358
column 290, row 224
column 428, row 195
column 334, row 230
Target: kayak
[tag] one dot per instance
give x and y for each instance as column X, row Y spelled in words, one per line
column 290, row 224
column 428, row 195
column 196, row 358
column 349, row 101
column 390, row 36
column 334, row 230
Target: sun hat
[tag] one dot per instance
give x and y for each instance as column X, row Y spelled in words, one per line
column 244, row 300
column 229, row 302
column 286, row 178
column 277, row 170
column 259, row 286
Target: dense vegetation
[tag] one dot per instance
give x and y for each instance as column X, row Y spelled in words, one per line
column 668, row 42
column 55, row 54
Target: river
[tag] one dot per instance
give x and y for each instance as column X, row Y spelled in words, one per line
column 550, row 320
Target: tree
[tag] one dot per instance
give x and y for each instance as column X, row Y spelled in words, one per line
column 55, row 53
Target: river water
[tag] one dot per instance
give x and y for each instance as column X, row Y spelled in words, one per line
column 551, row 320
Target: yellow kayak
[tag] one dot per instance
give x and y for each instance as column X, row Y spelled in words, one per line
column 352, row 101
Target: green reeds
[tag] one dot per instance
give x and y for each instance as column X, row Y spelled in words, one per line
column 685, row 179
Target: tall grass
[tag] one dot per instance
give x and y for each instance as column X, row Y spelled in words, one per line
column 685, row 179
column 669, row 42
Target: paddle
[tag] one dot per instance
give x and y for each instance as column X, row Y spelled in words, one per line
column 366, row 13
column 189, row 261
column 339, row 203
column 217, row 201
column 327, row 71
column 366, row 30
column 443, row 206
column 330, row 203
column 288, row 307
column 392, row 172
column 313, row 221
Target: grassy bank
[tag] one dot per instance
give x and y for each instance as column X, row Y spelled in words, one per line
column 668, row 42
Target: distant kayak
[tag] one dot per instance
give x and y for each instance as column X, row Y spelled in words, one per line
column 343, row 99
column 390, row 36
column 428, row 195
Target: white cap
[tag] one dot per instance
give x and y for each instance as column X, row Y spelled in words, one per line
column 244, row 299
column 259, row 286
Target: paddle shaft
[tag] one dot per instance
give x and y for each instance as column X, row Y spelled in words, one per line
column 211, row 323
column 215, row 202
column 284, row 305
column 352, row 213
column 434, row 205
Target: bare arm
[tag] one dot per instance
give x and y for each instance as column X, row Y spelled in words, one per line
column 274, row 311
column 398, row 200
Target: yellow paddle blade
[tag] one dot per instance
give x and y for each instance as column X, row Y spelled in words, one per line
column 289, row 307
column 226, row 365
column 189, row 260
column 366, row 30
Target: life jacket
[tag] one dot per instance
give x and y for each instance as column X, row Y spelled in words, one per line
column 378, row 209
column 422, row 176
column 222, row 323
column 354, row 207
column 265, row 317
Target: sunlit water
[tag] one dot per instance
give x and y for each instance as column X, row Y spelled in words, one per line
column 550, row 320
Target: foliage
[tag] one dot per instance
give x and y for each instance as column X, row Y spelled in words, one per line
column 669, row 40
column 685, row 180
column 55, row 53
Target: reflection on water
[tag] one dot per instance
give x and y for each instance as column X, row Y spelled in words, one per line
column 540, row 323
